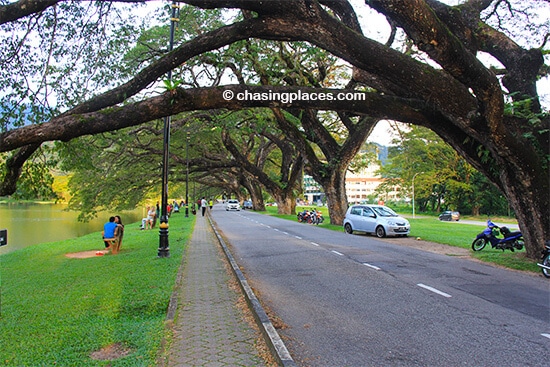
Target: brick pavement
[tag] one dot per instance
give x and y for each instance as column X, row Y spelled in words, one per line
column 209, row 329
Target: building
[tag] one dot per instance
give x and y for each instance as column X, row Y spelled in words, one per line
column 360, row 188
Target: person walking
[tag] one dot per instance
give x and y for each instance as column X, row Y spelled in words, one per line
column 203, row 205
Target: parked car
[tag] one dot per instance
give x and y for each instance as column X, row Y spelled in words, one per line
column 449, row 216
column 247, row 204
column 232, row 204
column 376, row 219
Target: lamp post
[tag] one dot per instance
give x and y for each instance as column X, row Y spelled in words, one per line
column 416, row 174
column 164, row 247
column 187, row 177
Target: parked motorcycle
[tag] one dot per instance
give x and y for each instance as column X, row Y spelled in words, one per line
column 545, row 261
column 316, row 217
column 304, row 217
column 511, row 240
column 312, row 216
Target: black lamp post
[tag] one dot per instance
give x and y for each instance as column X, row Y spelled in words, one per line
column 164, row 247
column 187, row 177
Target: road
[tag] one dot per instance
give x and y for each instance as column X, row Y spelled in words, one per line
column 354, row 300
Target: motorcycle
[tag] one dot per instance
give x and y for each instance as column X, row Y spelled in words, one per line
column 316, row 217
column 511, row 240
column 304, row 216
column 545, row 261
column 312, row 217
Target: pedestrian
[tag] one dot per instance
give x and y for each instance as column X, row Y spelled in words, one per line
column 211, row 203
column 203, row 205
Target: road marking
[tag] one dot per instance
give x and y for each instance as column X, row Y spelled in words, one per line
column 546, row 335
column 298, row 237
column 434, row 290
column 285, row 232
column 275, row 229
column 314, row 244
column 372, row 266
column 337, row 253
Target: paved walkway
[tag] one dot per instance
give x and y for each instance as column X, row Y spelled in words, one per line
column 209, row 329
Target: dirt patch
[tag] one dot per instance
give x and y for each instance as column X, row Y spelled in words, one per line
column 86, row 254
column 430, row 246
column 111, row 352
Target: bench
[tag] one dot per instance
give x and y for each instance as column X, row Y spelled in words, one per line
column 114, row 243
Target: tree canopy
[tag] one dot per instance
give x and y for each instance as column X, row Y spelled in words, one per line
column 491, row 115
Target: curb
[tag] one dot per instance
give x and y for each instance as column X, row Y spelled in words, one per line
column 274, row 341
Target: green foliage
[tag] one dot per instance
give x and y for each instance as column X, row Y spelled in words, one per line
column 67, row 68
column 88, row 304
column 36, row 180
column 108, row 173
column 442, row 179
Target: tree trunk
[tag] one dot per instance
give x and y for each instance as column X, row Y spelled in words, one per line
column 337, row 201
column 530, row 201
column 286, row 203
column 255, row 191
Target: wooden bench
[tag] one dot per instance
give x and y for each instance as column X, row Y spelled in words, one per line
column 115, row 242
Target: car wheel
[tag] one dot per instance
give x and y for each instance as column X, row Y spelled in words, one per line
column 348, row 229
column 380, row 232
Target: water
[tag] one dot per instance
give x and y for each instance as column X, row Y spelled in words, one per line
column 30, row 224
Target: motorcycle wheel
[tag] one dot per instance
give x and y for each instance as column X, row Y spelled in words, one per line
column 479, row 244
column 546, row 262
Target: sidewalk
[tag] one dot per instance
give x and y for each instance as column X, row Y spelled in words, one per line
column 209, row 328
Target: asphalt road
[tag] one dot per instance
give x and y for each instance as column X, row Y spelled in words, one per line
column 354, row 300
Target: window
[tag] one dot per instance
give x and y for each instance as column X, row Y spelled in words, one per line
column 367, row 212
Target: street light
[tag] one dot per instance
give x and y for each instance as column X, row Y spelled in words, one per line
column 416, row 174
column 164, row 247
column 187, row 177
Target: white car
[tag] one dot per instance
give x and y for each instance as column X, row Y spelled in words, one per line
column 377, row 219
column 232, row 204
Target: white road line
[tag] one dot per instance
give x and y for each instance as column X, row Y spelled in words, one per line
column 337, row 253
column 275, row 229
column 546, row 335
column 434, row 290
column 298, row 237
column 314, row 244
column 372, row 266
column 285, row 232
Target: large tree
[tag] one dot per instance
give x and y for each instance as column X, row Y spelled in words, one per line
column 492, row 117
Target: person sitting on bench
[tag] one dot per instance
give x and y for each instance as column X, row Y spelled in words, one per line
column 109, row 232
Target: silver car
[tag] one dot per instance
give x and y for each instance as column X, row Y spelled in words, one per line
column 377, row 219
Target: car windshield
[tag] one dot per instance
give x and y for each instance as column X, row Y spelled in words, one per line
column 384, row 211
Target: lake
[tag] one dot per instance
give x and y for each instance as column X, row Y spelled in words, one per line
column 33, row 223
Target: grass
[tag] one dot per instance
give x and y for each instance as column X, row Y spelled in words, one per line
column 57, row 310
column 430, row 229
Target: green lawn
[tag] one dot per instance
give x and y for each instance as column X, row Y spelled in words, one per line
column 453, row 234
column 57, row 310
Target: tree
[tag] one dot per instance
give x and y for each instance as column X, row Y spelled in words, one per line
column 443, row 179
column 495, row 123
